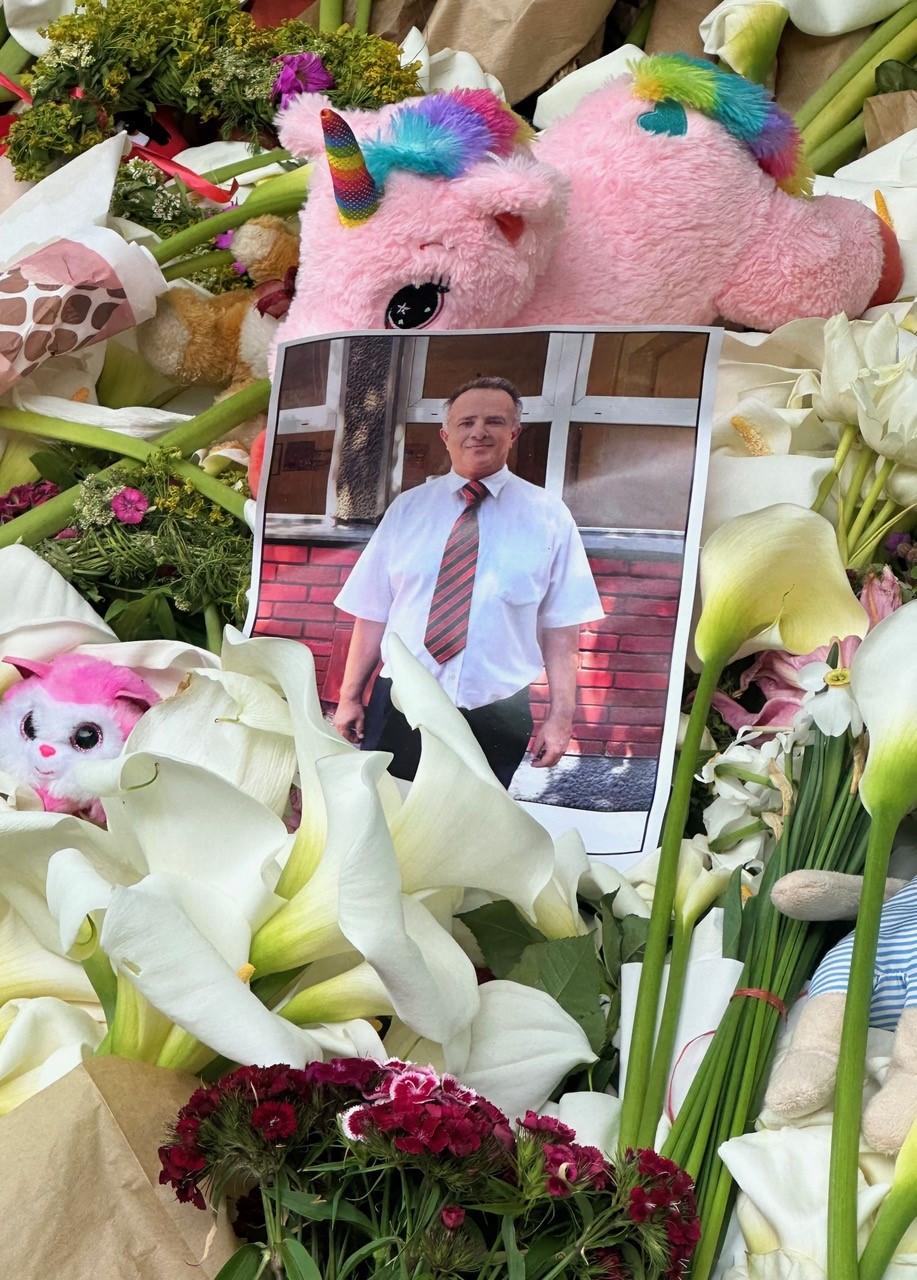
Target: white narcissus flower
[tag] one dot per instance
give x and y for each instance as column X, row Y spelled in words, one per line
column 828, row 701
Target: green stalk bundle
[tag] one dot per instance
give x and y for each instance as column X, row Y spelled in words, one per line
column 827, row 830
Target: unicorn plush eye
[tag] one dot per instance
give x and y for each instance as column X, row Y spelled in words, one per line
column 416, row 305
column 27, row 728
column 86, row 736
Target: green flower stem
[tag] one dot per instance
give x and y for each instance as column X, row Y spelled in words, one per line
column 89, row 437
column 874, row 44
column 52, row 516
column 872, row 495
column 330, row 15
column 248, row 165
column 4, row 29
column 840, row 148
column 104, row 983
column 282, row 195
column 362, row 16
column 13, row 59
column 633, row 1119
column 213, row 624
column 729, row 839
column 848, row 1096
column 896, row 1214
column 848, row 435
column 848, row 99
column 641, row 28
column 201, row 262
column 654, row 1097
column 883, row 523
column 739, row 771
column 865, row 460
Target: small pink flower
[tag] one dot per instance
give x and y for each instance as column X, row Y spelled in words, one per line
column 300, row 73
column 130, row 506
column 452, row 1216
column 67, row 534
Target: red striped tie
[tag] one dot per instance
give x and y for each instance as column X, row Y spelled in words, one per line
column 447, row 622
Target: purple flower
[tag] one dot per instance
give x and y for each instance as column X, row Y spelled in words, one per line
column 224, row 239
column 300, row 73
column 23, row 497
column 130, row 506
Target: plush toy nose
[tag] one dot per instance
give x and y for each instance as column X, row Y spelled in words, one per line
column 47, row 750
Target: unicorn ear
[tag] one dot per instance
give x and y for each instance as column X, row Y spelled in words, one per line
column 29, row 667
column 518, row 195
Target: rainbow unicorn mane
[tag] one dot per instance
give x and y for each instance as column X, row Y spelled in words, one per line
column 744, row 109
column 444, row 134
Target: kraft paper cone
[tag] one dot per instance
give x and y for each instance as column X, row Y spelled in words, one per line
column 888, row 116
column 79, row 1190
column 524, row 43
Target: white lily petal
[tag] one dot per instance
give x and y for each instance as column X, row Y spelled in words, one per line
column 812, row 676
column 43, row 1039
column 774, row 570
column 151, row 942
column 596, row 1117
column 883, row 680
column 196, row 825
column 736, row 486
column 834, row 711
column 74, row 889
column 354, row 1038
column 42, row 614
column 603, row 878
column 557, row 913
column 161, row 663
column 27, row 842
column 208, row 724
column 28, row 969
column 512, row 1015
column 456, row 815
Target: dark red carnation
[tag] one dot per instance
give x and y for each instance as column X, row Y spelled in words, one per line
column 275, row 1121
column 532, row 1122
column 452, row 1216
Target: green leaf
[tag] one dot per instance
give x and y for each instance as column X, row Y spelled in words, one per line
column 361, row 1254
column 542, row 1251
column 515, row 1263
column 502, row 934
column 633, row 938
column 318, row 1210
column 568, row 969
column 53, row 467
column 244, row 1264
column 895, row 77
column 732, row 916
column 298, row 1263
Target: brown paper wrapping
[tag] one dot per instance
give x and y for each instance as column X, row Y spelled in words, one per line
column 79, row 1191
column 673, row 27
column 888, row 115
column 524, row 43
column 805, row 62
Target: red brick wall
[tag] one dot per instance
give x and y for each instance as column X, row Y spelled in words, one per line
column 624, row 659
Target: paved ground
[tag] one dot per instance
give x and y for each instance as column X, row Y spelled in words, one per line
column 603, row 784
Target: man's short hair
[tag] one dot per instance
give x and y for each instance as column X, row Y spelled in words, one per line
column 486, row 384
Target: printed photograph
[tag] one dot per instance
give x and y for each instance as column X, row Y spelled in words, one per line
column 522, row 509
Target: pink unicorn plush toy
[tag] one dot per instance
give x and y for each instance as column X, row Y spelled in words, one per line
column 62, row 712
column 675, row 194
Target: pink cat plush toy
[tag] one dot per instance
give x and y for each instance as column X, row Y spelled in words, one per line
column 675, row 194
column 62, row 712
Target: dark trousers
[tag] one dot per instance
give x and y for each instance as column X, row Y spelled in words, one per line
column 503, row 730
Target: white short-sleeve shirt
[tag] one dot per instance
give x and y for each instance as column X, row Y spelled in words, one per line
column 532, row 573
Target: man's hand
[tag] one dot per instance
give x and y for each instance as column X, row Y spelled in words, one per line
column 348, row 719
column 551, row 741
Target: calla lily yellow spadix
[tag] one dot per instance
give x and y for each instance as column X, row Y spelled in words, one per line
column 769, row 579
column 883, row 677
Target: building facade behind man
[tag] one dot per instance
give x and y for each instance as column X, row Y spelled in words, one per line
column 485, row 578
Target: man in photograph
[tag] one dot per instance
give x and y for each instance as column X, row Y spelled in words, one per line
column 484, row 577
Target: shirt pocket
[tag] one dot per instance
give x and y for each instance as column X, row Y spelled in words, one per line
column 524, row 578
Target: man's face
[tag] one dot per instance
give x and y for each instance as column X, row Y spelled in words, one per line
column 480, row 429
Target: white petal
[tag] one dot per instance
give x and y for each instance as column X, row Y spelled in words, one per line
column 596, row 1117
column 194, row 824
column 162, row 663
column 603, row 878
column 458, row 826
column 151, row 941
column 29, row 969
column 557, row 912
column 42, row 614
column 883, row 680
column 209, row 724
column 512, row 1015
column 736, row 486
column 74, row 889
column 812, row 676
column 45, row 1038
column 354, row 1038
column 832, row 710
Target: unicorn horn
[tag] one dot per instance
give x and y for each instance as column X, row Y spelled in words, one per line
column 355, row 191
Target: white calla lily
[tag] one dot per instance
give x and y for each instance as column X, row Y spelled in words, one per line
column 744, row 34
column 883, row 680
column 27, row 969
column 456, row 814
column 489, row 1060
column 697, row 887
column 739, row 485
column 774, row 579
column 602, row 878
column 40, row 1041
column 557, row 913
column 236, row 725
